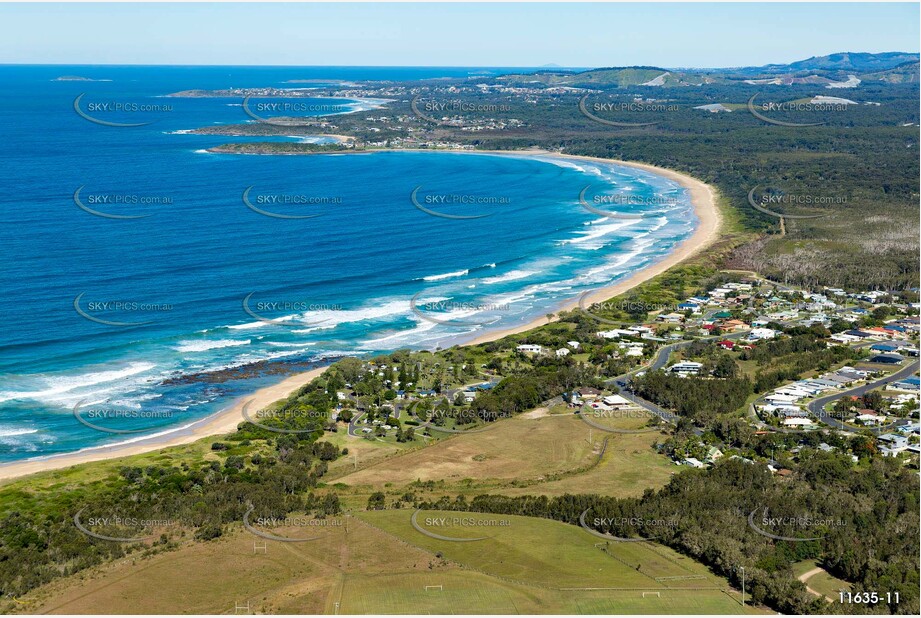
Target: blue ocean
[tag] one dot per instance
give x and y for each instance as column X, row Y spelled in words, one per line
column 141, row 272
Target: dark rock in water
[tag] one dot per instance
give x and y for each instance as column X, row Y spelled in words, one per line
column 256, row 369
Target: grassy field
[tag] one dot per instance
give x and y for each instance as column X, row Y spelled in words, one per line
column 822, row 582
column 504, row 452
column 562, row 566
column 534, row 453
column 236, row 569
column 465, row 592
column 384, row 568
column 362, row 451
column 546, row 553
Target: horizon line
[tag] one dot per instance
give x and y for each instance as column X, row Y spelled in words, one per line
column 427, row 66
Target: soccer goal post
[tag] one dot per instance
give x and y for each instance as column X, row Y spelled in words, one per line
column 658, row 594
column 436, row 587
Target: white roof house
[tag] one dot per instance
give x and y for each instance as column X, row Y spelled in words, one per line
column 777, row 398
column 761, row 333
column 530, row 348
column 562, row 352
column 616, row 401
column 686, row 367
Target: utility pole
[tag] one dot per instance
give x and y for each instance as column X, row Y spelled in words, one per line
column 743, row 586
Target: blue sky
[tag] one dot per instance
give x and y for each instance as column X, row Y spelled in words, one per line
column 436, row 34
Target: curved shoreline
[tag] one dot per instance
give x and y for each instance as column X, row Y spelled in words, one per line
column 703, row 200
column 704, row 203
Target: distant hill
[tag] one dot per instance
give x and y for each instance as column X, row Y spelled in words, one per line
column 851, row 61
column 842, row 70
column 908, row 73
column 613, row 76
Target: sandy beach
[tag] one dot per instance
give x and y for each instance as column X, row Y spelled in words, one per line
column 216, row 424
column 703, row 198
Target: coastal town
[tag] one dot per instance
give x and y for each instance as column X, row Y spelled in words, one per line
column 317, row 309
column 861, row 397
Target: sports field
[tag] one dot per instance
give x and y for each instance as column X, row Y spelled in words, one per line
column 387, row 567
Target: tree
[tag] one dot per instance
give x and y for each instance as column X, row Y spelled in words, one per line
column 376, row 501
column 725, row 367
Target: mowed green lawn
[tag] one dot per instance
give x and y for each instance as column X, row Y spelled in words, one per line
column 469, row 592
column 535, row 565
column 461, row 592
column 545, row 552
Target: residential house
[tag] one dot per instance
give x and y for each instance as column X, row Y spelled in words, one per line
column 529, row 348
column 686, row 368
column 758, row 334
column 894, row 442
column 870, row 417
column 887, row 359
column 588, row 393
column 617, row 402
column 908, row 384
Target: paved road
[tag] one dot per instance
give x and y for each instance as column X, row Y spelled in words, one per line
column 353, row 425
column 662, row 355
column 658, row 362
column 817, row 406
